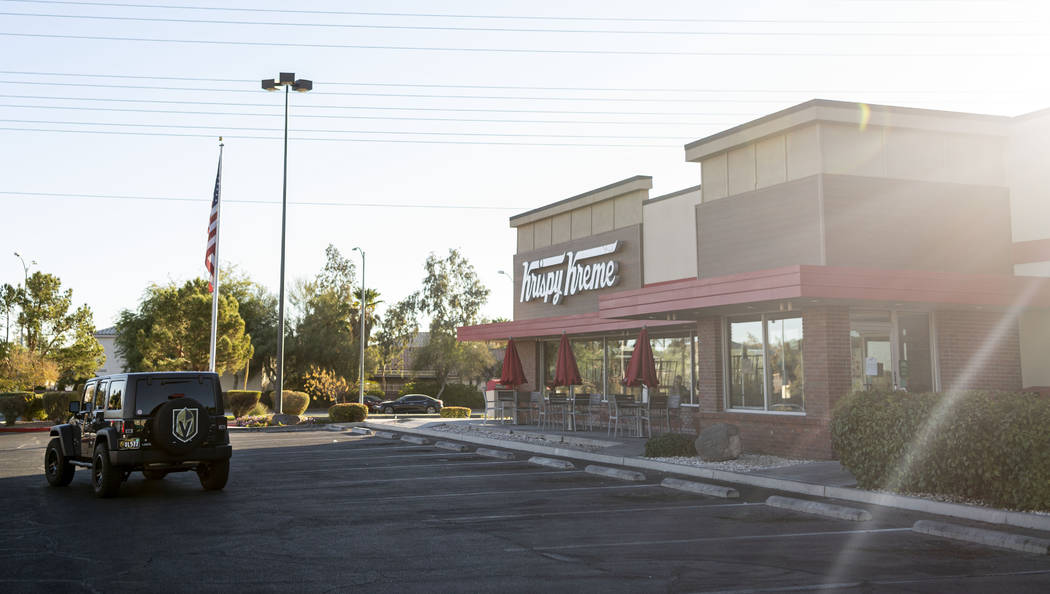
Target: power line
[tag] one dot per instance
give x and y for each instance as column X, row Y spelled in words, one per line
column 923, row 34
column 329, row 131
column 373, row 140
column 262, row 202
column 528, row 17
column 387, row 108
column 401, row 95
column 523, row 87
column 544, row 51
column 353, row 117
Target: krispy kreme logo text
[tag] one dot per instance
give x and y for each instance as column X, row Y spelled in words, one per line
column 569, row 273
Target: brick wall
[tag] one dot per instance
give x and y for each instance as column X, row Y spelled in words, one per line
column 789, row 436
column 978, row 350
column 709, row 363
column 825, row 358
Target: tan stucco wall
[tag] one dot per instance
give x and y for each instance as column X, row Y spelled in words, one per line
column 669, row 238
column 1035, row 348
column 1029, row 175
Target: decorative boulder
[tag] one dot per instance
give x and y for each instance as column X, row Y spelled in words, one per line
column 285, row 419
column 718, row 443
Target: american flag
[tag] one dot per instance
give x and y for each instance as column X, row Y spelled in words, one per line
column 213, row 230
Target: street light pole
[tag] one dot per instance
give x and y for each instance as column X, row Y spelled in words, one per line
column 286, row 79
column 361, row 367
column 25, row 287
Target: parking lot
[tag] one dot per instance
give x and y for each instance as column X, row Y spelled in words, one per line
column 330, row 511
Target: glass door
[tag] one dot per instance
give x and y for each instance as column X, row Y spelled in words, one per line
column 891, row 350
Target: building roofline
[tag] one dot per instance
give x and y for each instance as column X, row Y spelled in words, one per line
column 672, row 195
column 638, row 182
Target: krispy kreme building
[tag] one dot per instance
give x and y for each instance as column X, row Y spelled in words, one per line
column 831, row 247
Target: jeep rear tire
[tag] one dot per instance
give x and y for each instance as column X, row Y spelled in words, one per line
column 57, row 470
column 213, row 475
column 105, row 479
column 174, row 435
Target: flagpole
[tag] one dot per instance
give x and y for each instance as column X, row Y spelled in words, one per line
column 215, row 260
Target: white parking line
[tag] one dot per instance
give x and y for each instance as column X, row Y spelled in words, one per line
column 438, row 478
column 699, row 540
column 261, row 462
column 349, row 451
column 884, row 582
column 401, row 466
column 604, row 510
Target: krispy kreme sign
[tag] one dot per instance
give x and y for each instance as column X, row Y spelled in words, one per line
column 569, row 273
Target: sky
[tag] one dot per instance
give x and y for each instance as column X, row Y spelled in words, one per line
column 430, row 123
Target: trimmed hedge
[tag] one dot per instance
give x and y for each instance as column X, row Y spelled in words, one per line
column 14, row 405
column 670, row 445
column 454, row 394
column 242, row 402
column 348, row 412
column 992, row 447
column 294, row 403
column 56, row 404
column 455, row 412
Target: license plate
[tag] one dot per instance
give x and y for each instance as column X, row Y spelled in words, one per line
column 130, row 444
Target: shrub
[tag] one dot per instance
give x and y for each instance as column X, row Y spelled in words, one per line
column 985, row 446
column 670, row 445
column 56, row 404
column 14, row 405
column 267, row 399
column 294, row 403
column 259, row 410
column 349, row 412
column 34, row 407
column 376, row 392
column 428, row 387
column 455, row 412
column 243, row 401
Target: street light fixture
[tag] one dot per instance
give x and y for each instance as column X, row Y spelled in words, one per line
column 286, row 80
column 25, row 287
column 361, row 367
column 504, row 273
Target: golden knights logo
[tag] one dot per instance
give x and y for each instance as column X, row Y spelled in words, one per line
column 184, row 424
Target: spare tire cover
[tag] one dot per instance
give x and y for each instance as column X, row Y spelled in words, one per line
column 180, row 425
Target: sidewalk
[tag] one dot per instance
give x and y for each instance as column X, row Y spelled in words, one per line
column 816, row 479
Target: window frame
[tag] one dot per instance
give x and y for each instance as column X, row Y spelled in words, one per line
column 763, row 318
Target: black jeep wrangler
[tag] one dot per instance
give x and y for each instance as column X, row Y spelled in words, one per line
column 157, row 422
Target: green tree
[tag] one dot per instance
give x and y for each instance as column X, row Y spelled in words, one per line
column 23, row 370
column 57, row 332
column 258, row 309
column 172, row 329
column 8, row 300
column 452, row 296
column 398, row 328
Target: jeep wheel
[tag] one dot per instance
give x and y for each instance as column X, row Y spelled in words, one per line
column 105, row 479
column 154, row 475
column 388, row 411
column 431, row 410
column 57, row 470
column 213, row 475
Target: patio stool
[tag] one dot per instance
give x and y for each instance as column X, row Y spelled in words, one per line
column 506, row 401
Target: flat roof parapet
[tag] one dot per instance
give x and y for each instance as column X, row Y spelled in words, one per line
column 631, row 184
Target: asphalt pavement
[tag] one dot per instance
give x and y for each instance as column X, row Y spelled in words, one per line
column 330, row 511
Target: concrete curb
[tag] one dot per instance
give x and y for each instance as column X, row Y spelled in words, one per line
column 955, row 510
column 496, row 454
column 387, row 435
column 416, row 439
column 819, row 508
column 448, row 445
column 992, row 538
column 361, row 431
column 700, row 488
column 552, row 463
column 616, row 473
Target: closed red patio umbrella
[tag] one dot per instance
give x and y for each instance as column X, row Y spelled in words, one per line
column 513, row 374
column 566, row 373
column 642, row 368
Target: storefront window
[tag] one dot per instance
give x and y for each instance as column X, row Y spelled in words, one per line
column 620, row 351
column 674, row 362
column 891, row 350
column 765, row 364
column 589, row 358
